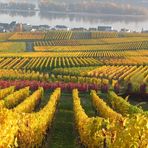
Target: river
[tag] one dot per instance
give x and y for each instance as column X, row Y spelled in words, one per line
column 134, row 23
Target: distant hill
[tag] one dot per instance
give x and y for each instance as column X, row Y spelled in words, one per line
column 119, row 7
column 141, row 2
column 115, row 7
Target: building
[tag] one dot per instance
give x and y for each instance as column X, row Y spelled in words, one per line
column 4, row 27
column 35, row 27
column 61, row 27
column 92, row 29
column 44, row 28
column 105, row 28
column 27, row 27
column 114, row 30
column 13, row 24
column 19, row 27
column 144, row 31
column 125, row 30
column 79, row 29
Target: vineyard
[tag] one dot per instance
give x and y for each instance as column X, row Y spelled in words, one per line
column 12, row 47
column 73, row 89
